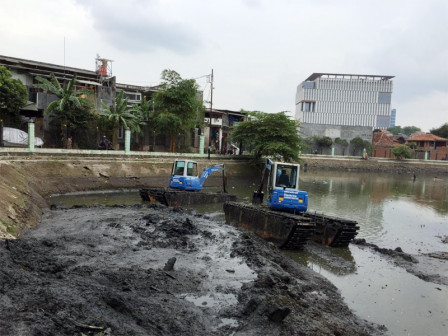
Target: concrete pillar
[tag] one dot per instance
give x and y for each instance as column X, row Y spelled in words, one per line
column 220, row 140
column 426, row 156
column 127, row 141
column 1, row 133
column 201, row 144
column 31, row 139
column 332, row 151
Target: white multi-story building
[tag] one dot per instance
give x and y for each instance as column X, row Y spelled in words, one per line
column 345, row 100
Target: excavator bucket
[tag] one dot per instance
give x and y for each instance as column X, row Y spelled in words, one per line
column 257, row 197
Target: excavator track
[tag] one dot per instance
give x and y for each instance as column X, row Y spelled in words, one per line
column 171, row 197
column 288, row 230
column 333, row 231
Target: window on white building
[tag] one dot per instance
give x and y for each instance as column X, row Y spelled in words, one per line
column 308, row 106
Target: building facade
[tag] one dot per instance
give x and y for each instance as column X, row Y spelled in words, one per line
column 393, row 117
column 345, row 100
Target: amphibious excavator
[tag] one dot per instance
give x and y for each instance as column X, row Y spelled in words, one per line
column 285, row 220
column 185, row 186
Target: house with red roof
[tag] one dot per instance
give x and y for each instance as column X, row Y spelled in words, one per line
column 383, row 143
column 430, row 146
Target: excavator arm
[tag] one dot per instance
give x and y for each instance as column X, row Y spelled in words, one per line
column 215, row 168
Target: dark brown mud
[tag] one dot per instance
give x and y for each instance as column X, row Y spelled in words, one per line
column 153, row 270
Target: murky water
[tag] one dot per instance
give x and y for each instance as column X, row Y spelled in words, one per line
column 392, row 211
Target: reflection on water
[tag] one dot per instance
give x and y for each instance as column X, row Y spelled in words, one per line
column 317, row 257
column 392, row 210
column 382, row 293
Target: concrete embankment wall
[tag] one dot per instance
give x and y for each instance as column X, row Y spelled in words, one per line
column 375, row 165
column 25, row 180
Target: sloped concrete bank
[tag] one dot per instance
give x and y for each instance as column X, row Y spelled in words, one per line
column 26, row 180
column 418, row 167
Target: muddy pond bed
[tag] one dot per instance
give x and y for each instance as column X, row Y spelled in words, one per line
column 409, row 296
column 153, row 270
column 109, row 268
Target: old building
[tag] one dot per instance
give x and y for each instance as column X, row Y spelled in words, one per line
column 100, row 82
column 383, row 143
column 429, row 146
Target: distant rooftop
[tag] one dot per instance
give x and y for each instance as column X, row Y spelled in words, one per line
column 316, row 75
column 36, row 68
column 427, row 137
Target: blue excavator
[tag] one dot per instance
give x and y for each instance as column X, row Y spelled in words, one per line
column 185, row 186
column 283, row 188
column 184, row 175
column 285, row 220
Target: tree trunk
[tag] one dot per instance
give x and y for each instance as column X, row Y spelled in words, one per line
column 114, row 137
column 172, row 143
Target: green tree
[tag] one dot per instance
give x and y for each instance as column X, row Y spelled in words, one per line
column 359, row 144
column 322, row 142
column 144, row 113
column 269, row 134
column 402, row 152
column 71, row 110
column 177, row 108
column 442, row 131
column 13, row 96
column 343, row 143
column 408, row 130
column 396, row 130
column 120, row 114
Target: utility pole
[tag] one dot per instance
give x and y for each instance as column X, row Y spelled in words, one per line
column 210, row 115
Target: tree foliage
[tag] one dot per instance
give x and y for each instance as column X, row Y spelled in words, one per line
column 120, row 114
column 322, row 142
column 13, row 96
column 71, row 109
column 177, row 108
column 342, row 142
column 269, row 134
column 402, row 152
column 442, row 131
column 407, row 130
column 359, row 144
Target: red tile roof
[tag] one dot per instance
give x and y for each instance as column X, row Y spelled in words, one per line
column 381, row 139
column 426, row 137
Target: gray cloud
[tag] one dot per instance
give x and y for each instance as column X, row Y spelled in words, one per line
column 136, row 28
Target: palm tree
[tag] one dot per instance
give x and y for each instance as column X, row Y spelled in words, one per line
column 72, row 110
column 144, row 113
column 121, row 115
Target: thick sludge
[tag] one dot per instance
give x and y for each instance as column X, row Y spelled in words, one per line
column 110, row 271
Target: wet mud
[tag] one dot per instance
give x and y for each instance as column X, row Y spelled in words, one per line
column 153, row 270
column 430, row 267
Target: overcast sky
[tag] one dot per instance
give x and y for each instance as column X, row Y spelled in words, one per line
column 259, row 50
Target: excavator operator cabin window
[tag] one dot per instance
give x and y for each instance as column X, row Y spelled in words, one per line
column 179, row 168
column 286, row 176
column 192, row 169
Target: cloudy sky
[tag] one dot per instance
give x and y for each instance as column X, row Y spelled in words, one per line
column 259, row 50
